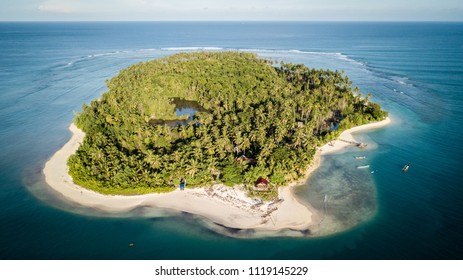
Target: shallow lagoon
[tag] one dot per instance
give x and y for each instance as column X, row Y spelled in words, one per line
column 184, row 110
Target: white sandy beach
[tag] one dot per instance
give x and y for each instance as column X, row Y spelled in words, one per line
column 339, row 144
column 229, row 207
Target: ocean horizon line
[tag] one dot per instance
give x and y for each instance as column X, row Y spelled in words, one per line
column 233, row 21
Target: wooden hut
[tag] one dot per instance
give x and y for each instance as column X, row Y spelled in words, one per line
column 261, row 184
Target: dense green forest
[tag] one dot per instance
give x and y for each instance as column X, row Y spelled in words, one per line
column 258, row 118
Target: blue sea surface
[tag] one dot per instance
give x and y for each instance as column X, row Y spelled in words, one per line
column 414, row 70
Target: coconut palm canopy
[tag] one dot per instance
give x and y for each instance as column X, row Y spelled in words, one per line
column 274, row 114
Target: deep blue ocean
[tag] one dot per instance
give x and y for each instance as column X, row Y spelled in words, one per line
column 414, row 70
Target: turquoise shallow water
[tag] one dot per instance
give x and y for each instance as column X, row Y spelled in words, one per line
column 415, row 70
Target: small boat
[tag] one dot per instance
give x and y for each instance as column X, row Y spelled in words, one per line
column 360, row 157
column 406, row 167
column 363, row 166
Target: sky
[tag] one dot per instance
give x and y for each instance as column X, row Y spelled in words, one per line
column 239, row 10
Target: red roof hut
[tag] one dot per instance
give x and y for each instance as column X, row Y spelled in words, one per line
column 261, row 184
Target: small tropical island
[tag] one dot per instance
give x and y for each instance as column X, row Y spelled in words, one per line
column 220, row 121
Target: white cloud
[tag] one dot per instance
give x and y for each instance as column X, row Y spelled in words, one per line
column 233, row 9
column 56, row 7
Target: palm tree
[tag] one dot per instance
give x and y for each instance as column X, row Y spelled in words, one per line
column 192, row 167
column 153, row 160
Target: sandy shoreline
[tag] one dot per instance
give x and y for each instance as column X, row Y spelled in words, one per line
column 346, row 135
column 229, row 207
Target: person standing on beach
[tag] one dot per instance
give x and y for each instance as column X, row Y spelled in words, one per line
column 182, row 183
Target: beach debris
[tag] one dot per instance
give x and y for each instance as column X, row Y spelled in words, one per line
column 276, row 202
column 361, row 145
column 256, row 202
column 358, row 144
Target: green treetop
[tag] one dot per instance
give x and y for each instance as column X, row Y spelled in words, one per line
column 257, row 119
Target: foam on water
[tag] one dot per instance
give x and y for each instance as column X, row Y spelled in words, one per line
column 167, row 50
